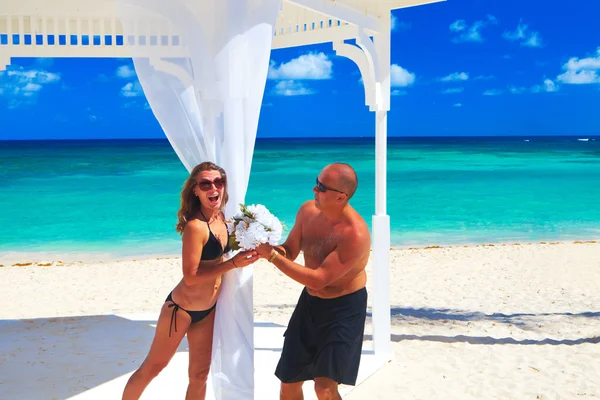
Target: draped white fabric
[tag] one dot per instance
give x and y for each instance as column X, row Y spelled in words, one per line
column 208, row 104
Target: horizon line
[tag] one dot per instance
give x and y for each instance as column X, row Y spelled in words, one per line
column 596, row 135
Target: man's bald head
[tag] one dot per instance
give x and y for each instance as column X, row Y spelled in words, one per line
column 345, row 176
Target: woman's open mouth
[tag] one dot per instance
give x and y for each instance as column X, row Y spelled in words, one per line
column 213, row 199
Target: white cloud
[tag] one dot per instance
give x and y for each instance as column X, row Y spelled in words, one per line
column 523, row 35
column 517, row 89
column 125, row 72
column 400, row 77
column 456, row 76
column 453, row 90
column 398, row 92
column 21, row 86
column 548, row 86
column 291, row 88
column 492, row 92
column 33, row 75
column 582, row 77
column 32, row 87
column 458, row 105
column 470, row 33
column 307, row 66
column 399, row 25
column 458, row 25
column 581, row 71
column 533, row 41
column 132, row 89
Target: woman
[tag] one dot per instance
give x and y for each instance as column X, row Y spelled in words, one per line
column 189, row 308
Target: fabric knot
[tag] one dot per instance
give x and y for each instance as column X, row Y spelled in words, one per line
column 173, row 317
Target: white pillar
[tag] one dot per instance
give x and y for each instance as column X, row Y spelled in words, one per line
column 374, row 64
column 381, row 247
column 381, row 221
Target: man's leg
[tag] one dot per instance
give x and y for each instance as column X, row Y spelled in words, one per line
column 327, row 389
column 291, row 391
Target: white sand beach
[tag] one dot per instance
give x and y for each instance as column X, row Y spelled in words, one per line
column 499, row 321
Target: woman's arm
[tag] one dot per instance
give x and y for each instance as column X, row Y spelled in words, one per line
column 195, row 235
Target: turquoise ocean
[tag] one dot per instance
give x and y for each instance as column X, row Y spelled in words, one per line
column 120, row 197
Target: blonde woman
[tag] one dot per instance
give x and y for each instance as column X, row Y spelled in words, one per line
column 189, row 308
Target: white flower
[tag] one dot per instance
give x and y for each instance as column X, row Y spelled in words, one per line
column 253, row 226
column 230, row 226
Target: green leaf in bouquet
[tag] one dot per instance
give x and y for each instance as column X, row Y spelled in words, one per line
column 233, row 243
column 245, row 212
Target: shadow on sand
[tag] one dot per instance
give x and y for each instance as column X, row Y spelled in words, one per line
column 457, row 315
column 57, row 358
column 517, row 319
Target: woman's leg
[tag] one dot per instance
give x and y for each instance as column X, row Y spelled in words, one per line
column 161, row 351
column 200, row 338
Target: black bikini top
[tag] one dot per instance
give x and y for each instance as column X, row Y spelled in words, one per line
column 213, row 248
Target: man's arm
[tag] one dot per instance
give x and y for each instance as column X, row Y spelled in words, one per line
column 337, row 264
column 292, row 245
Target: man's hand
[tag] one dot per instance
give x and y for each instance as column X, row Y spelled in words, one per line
column 265, row 250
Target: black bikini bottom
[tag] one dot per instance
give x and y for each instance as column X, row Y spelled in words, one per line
column 196, row 316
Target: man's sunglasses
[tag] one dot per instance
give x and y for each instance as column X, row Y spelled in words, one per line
column 205, row 186
column 323, row 188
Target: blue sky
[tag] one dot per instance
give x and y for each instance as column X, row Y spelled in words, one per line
column 460, row 67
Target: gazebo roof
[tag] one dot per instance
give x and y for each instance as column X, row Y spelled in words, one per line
column 91, row 28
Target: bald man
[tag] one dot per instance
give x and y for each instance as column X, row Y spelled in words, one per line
column 324, row 337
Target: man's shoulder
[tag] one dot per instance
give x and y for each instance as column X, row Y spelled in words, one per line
column 307, row 208
column 357, row 230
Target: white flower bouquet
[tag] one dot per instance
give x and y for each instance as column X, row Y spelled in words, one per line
column 252, row 226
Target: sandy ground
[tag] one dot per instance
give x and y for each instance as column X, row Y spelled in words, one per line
column 479, row 322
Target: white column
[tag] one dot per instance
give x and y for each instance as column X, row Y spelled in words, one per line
column 381, row 221
column 381, row 246
column 374, row 64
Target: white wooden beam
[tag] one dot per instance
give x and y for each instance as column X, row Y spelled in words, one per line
column 364, row 62
column 396, row 4
column 4, row 61
column 341, row 11
column 314, row 36
column 91, row 51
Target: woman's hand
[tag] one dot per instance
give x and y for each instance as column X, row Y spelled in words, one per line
column 245, row 258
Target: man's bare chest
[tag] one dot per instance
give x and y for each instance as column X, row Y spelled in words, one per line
column 318, row 241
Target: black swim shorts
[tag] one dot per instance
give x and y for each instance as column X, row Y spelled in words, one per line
column 324, row 339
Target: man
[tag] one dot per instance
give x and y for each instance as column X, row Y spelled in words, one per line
column 323, row 340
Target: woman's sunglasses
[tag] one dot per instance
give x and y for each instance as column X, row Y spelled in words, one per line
column 323, row 188
column 205, row 186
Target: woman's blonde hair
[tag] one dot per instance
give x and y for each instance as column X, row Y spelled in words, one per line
column 190, row 203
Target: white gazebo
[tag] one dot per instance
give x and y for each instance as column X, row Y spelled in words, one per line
column 105, row 28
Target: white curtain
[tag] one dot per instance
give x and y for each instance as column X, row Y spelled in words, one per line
column 207, row 100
